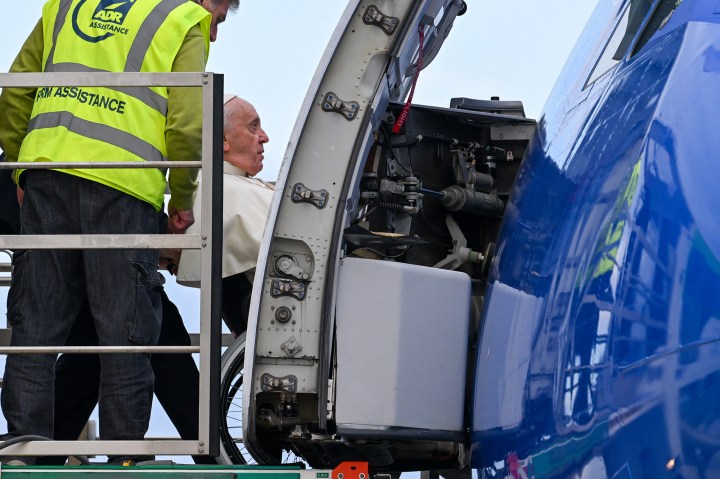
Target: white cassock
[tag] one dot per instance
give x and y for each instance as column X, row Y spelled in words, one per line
column 246, row 204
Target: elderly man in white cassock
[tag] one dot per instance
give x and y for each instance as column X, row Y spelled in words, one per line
column 246, row 203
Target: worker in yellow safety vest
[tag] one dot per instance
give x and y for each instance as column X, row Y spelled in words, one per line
column 98, row 124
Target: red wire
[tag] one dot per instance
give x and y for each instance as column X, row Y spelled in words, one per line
column 406, row 109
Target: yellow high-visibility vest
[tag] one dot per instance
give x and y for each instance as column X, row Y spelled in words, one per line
column 109, row 124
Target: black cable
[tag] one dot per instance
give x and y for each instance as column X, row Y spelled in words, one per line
column 19, row 439
column 30, row 437
column 367, row 213
column 385, row 255
column 391, row 150
column 405, row 144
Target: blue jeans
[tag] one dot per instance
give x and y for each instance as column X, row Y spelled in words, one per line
column 122, row 287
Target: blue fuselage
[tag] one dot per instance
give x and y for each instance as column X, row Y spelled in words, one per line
column 599, row 353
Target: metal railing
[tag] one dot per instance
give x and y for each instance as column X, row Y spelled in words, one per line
column 5, row 267
column 209, row 241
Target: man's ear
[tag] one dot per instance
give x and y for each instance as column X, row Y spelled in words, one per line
column 226, row 144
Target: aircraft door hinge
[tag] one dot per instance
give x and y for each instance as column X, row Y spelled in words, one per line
column 348, row 109
column 373, row 16
column 286, row 287
column 303, row 194
column 272, row 383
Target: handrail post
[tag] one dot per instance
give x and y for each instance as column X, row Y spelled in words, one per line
column 211, row 274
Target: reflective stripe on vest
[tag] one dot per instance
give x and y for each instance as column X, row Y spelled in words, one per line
column 59, row 23
column 99, row 132
column 142, row 93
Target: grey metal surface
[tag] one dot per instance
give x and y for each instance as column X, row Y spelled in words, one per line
column 364, row 67
column 399, row 328
column 197, row 79
column 101, row 448
column 91, row 165
column 177, row 471
column 226, row 341
column 321, row 156
column 98, row 349
column 101, row 241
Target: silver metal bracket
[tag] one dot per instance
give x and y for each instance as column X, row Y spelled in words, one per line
column 286, row 287
column 285, row 383
column 286, row 265
column 460, row 254
column 291, row 347
column 373, row 16
column 348, row 109
column 303, row 194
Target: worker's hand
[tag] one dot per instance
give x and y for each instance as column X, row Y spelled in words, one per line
column 179, row 220
column 20, row 196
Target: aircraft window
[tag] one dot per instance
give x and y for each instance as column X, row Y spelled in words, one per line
column 660, row 16
column 626, row 31
column 636, row 14
column 610, row 56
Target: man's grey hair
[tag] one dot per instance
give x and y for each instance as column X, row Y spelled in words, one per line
column 230, row 110
column 232, row 4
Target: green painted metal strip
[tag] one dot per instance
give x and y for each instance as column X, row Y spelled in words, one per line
column 267, row 475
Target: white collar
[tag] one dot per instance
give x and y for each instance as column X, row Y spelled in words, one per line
column 230, row 169
column 233, row 170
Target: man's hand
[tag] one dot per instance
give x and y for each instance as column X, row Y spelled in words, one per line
column 179, row 221
column 20, row 196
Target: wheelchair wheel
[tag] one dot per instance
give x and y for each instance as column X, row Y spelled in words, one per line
column 232, row 450
column 232, row 446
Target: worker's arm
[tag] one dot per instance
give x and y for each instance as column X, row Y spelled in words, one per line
column 183, row 132
column 16, row 103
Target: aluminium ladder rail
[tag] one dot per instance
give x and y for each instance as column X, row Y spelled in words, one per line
column 345, row 470
column 209, row 241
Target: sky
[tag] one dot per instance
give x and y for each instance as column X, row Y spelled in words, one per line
column 269, row 51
